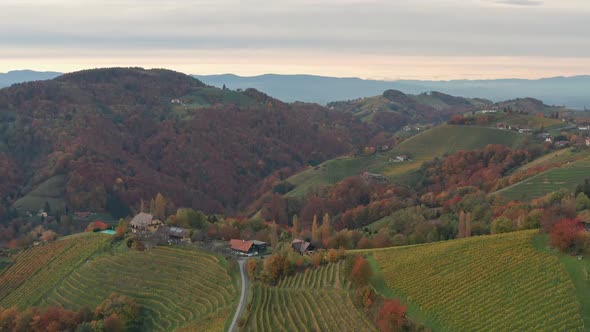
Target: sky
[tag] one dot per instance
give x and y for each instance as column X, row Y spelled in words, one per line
column 377, row 39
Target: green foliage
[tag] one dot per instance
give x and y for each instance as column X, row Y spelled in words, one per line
column 502, row 225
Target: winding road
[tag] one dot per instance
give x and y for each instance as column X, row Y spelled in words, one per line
column 242, row 304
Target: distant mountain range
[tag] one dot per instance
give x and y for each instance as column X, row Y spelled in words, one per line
column 19, row 76
column 567, row 91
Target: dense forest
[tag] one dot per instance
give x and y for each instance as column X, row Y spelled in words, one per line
column 118, row 135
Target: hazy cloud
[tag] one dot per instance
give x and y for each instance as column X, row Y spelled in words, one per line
column 318, row 31
column 520, row 2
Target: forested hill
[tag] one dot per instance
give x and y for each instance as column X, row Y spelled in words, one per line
column 107, row 138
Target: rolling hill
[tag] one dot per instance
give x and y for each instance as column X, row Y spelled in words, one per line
column 566, row 176
column 104, row 139
column 569, row 91
column 317, row 300
column 176, row 287
column 497, row 282
column 425, row 146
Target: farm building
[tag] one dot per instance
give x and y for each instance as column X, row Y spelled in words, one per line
column 373, row 177
column 249, row 248
column 241, row 247
column 144, row 222
column 302, row 247
column 172, row 235
column 96, row 226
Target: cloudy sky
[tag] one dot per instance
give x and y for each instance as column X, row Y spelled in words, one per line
column 383, row 39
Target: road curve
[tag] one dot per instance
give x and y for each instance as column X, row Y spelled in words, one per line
column 242, row 304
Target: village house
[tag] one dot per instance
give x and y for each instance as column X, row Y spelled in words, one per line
column 525, row 131
column 144, row 222
column 302, row 247
column 82, row 214
column 587, row 141
column 247, row 248
column 584, row 128
column 500, row 125
column 562, row 144
column 373, row 177
column 173, row 235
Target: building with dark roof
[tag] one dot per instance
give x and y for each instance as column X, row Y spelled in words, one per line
column 302, row 247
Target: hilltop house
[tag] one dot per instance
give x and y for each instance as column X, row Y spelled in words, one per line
column 525, row 131
column 144, row 222
column 562, row 143
column 372, row 176
column 302, row 247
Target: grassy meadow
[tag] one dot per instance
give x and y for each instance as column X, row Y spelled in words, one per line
column 425, row 146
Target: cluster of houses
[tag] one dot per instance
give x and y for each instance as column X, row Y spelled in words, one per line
column 153, row 231
column 520, row 130
column 253, row 247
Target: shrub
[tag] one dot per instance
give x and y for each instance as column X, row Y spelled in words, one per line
column 568, row 235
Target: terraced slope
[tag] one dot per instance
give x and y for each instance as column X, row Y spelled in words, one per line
column 317, row 300
column 565, row 177
column 177, row 287
column 422, row 147
column 40, row 269
column 488, row 283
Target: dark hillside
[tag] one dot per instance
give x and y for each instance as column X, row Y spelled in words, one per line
column 119, row 135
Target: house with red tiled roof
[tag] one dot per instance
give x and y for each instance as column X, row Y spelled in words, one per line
column 249, row 248
column 96, row 225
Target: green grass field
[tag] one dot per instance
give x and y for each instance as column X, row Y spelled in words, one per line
column 423, row 147
column 565, row 177
column 316, row 300
column 51, row 191
column 176, row 287
column 487, row 283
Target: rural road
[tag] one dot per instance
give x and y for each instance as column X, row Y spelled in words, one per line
column 242, row 304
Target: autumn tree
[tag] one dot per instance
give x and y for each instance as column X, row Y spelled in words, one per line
column 468, row 224
column 296, row 228
column 273, row 233
column 361, row 272
column 49, row 236
column 251, row 267
column 461, row 225
column 567, row 235
column 160, row 207
column 332, row 255
column 326, row 229
column 390, row 317
column 315, row 231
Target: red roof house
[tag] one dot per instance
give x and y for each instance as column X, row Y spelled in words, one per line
column 96, row 225
column 241, row 246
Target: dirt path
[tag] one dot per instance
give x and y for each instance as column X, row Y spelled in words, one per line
column 242, row 304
